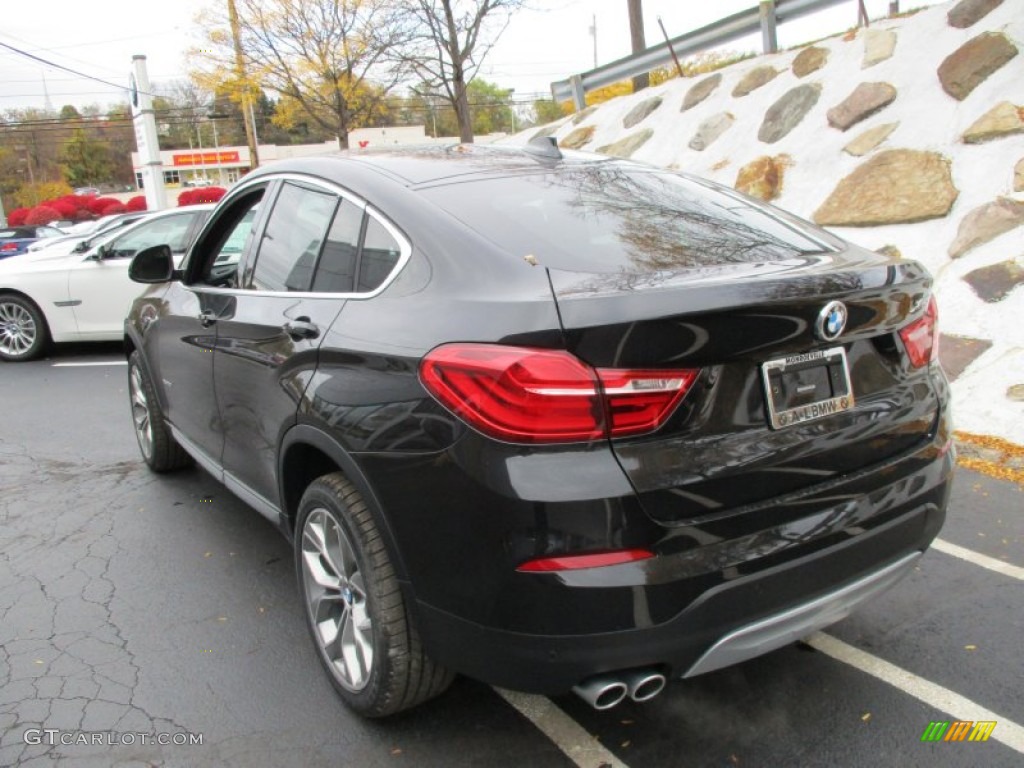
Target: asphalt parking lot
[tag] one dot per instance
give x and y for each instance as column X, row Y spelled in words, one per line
column 133, row 606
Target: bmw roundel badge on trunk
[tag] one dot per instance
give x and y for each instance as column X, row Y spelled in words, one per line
column 831, row 321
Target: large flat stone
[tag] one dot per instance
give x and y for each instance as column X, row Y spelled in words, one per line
column 583, row 114
column 898, row 186
column 956, row 353
column 866, row 100
column 627, row 146
column 1004, row 119
column 809, row 60
column 971, row 64
column 996, row 282
column 701, row 91
column 1018, row 176
column 762, row 178
column 578, row 137
column 879, row 45
column 786, row 113
column 870, row 139
column 710, row 130
column 640, row 112
column 967, row 13
column 754, row 79
column 986, row 222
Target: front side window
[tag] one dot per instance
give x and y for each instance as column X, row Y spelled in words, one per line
column 294, row 235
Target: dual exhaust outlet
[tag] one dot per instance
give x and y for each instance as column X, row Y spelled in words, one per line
column 607, row 691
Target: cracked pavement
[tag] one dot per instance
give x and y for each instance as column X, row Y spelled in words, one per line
column 145, row 604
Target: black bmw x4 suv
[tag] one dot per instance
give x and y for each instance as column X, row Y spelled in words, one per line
column 552, row 421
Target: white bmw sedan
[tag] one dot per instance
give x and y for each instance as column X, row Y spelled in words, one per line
column 83, row 296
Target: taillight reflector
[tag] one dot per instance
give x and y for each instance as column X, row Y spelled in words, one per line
column 589, row 560
column 8, row 247
column 921, row 337
column 546, row 396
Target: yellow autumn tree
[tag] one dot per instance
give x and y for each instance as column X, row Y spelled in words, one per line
column 327, row 59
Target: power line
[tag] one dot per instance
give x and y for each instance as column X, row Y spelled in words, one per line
column 48, row 63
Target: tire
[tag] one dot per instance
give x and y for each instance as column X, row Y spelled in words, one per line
column 23, row 331
column 355, row 610
column 159, row 450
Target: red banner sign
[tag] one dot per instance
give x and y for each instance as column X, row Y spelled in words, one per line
column 204, row 158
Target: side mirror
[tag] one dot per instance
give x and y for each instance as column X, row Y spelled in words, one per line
column 152, row 265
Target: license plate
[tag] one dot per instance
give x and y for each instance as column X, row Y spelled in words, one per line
column 807, row 387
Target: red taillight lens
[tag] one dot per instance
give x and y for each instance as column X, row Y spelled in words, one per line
column 921, row 337
column 547, row 396
column 589, row 560
column 8, row 247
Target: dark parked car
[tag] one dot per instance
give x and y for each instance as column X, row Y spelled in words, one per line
column 15, row 240
column 553, row 422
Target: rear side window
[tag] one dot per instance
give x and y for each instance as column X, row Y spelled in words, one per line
column 295, row 232
column 381, row 252
column 336, row 271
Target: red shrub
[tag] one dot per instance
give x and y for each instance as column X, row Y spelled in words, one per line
column 137, row 203
column 201, row 195
column 41, row 214
column 98, row 204
column 115, row 207
column 185, row 198
column 63, row 207
column 17, row 217
column 80, row 202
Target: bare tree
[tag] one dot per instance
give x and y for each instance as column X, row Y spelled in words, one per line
column 451, row 40
column 325, row 58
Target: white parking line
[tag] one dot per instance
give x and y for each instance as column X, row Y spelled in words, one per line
column 89, row 365
column 934, row 695
column 566, row 734
column 1013, row 571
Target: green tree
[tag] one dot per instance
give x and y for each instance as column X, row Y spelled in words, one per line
column 547, row 111
column 489, row 104
column 85, row 161
column 450, row 42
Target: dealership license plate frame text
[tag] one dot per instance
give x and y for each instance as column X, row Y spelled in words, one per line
column 820, row 372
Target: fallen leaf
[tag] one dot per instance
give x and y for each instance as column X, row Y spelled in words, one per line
column 396, row 751
column 208, row 554
column 625, row 743
column 866, row 716
column 222, row 618
column 627, row 722
column 970, row 647
column 40, row 661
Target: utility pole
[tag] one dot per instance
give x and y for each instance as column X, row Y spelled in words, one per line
column 636, row 38
column 247, row 114
column 593, row 33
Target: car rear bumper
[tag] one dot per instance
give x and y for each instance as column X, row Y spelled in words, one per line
column 756, row 608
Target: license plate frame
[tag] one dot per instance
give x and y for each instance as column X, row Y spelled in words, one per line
column 788, row 380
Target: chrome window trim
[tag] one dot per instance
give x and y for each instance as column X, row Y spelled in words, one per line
column 405, row 247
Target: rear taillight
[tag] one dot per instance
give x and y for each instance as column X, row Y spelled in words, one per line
column 921, row 337
column 526, row 395
column 7, row 247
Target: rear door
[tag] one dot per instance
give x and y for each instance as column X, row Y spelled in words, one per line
column 268, row 337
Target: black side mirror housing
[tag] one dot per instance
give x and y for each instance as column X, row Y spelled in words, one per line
column 152, row 265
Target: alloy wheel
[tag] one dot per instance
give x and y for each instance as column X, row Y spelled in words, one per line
column 18, row 330
column 336, row 599
column 140, row 413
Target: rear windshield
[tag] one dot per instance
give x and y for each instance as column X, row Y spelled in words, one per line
column 613, row 219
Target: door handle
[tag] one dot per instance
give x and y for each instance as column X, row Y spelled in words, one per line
column 301, row 328
column 207, row 318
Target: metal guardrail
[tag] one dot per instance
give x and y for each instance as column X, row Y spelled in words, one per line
column 763, row 18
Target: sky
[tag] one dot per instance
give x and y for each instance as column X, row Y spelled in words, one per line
column 548, row 42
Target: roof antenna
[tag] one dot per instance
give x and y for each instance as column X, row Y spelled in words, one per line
column 544, row 146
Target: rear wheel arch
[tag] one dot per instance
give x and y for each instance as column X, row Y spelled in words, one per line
column 308, row 453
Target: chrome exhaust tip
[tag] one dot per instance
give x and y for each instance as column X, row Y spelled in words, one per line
column 643, row 685
column 601, row 692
